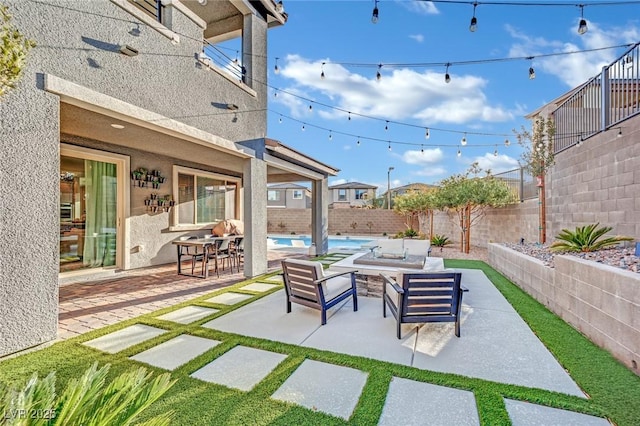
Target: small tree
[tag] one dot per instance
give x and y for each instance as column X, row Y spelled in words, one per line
column 14, row 52
column 537, row 159
column 468, row 196
column 416, row 204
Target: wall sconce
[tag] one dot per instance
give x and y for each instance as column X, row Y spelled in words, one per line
column 128, row 50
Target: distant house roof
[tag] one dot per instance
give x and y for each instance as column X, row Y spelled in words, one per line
column 413, row 187
column 353, row 185
column 286, row 185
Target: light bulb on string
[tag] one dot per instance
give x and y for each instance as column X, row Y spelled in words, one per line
column 389, row 146
column 582, row 26
column 236, row 61
column 276, row 69
column 280, row 120
column 474, row 21
column 378, row 74
column 463, row 141
column 495, row 153
column 330, row 135
column 619, row 132
column 375, row 14
column 422, row 149
column 303, row 129
column 507, row 142
column 322, row 71
column 349, row 116
column 447, row 77
column 310, row 107
column 427, row 134
column 275, row 93
column 386, row 126
column 459, row 152
column 358, row 142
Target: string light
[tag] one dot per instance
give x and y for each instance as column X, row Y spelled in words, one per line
column 495, row 153
column 310, row 107
column 386, row 126
column 374, row 15
column 235, row 61
column 303, row 129
column 330, row 135
column 427, row 135
column 619, row 132
column 507, row 142
column 275, row 93
column 532, row 72
column 579, row 141
column 378, row 74
column 463, row 141
column 447, row 77
column 349, row 116
column 276, row 69
column 459, row 152
column 322, row 71
column 474, row 21
column 389, row 145
column 422, row 149
column 358, row 142
column 582, row 27
column 280, row 120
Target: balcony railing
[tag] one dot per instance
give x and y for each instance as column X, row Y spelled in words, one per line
column 522, row 184
column 601, row 103
column 152, row 7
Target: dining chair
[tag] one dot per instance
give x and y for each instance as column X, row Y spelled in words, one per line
column 192, row 253
column 237, row 250
column 219, row 252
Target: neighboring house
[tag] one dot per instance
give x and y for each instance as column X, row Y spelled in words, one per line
column 288, row 195
column 124, row 135
column 351, row 194
column 405, row 189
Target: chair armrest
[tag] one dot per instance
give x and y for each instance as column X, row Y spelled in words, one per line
column 393, row 283
column 337, row 274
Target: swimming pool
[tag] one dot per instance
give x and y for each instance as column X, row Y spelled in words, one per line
column 334, row 242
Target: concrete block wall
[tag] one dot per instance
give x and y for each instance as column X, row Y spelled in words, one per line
column 340, row 220
column 600, row 301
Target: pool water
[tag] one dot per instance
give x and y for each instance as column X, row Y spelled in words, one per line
column 334, row 242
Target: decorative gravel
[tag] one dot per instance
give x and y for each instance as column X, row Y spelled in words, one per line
column 623, row 258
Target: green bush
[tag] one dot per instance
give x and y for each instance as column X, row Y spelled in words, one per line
column 439, row 240
column 410, row 233
column 585, row 239
column 88, row 400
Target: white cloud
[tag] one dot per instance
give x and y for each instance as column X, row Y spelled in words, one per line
column 417, row 37
column 421, row 7
column 497, row 164
column 433, row 171
column 401, row 94
column 429, row 156
column 573, row 69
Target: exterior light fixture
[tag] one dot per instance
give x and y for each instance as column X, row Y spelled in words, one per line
column 235, row 117
column 349, row 116
column 358, row 142
column 232, row 107
column 276, row 69
column 389, row 146
column 427, row 134
column 459, row 152
column 463, row 141
column 619, row 132
column 474, row 21
column 117, row 126
column 280, row 120
column 447, row 77
column 310, row 107
column 128, row 50
column 378, row 74
column 330, row 135
column 507, row 142
column 532, row 72
column 322, row 71
column 374, row 15
column 303, row 129
column 582, row 27
column 386, row 126
column 422, row 149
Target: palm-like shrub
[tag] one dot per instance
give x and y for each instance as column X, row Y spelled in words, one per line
column 439, row 241
column 88, row 400
column 586, row 238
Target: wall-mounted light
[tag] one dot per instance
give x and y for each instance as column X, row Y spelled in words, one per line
column 232, row 107
column 128, row 50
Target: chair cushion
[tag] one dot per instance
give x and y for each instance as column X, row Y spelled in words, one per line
column 393, row 295
column 335, row 286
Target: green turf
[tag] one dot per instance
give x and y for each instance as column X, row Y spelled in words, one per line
column 614, row 390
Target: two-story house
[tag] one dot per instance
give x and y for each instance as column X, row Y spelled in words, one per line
column 130, row 128
column 288, row 195
column 351, row 194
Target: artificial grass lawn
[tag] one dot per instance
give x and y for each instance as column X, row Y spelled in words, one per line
column 614, row 390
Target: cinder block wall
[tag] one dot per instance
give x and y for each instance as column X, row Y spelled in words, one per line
column 598, row 300
column 340, row 221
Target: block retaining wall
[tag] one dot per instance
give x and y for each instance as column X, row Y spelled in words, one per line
column 600, row 301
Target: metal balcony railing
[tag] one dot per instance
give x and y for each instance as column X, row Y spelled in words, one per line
column 521, row 183
column 154, row 8
column 601, row 103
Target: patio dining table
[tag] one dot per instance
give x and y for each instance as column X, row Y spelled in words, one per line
column 201, row 245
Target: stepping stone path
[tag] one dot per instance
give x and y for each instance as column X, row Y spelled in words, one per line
column 527, row 414
column 439, row 404
column 275, row 279
column 259, row 287
column 229, row 298
column 240, row 368
column 324, row 387
column 125, row 338
column 188, row 314
column 175, row 352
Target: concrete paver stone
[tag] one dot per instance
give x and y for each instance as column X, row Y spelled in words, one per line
column 229, row 298
column 259, row 287
column 415, row 403
column 125, row 338
column 188, row 314
column 240, row 368
column 332, row 389
column 175, row 352
column 527, row 414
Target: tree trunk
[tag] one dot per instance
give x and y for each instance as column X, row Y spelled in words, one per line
column 542, row 233
column 430, row 225
column 461, row 217
column 468, row 228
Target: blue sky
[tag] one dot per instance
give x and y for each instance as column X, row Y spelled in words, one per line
column 486, row 100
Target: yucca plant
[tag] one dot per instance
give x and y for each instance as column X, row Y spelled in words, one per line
column 439, row 241
column 87, row 400
column 586, row 238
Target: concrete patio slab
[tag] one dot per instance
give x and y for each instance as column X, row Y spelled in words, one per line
column 326, row 261
column 240, row 368
column 188, row 314
column 415, row 403
column 125, row 338
column 175, row 352
column 309, row 384
column 259, row 287
column 229, row 298
column 527, row 414
column 267, row 318
column 275, row 279
column 510, row 351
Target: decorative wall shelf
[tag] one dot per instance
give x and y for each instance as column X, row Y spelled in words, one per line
column 143, row 178
column 157, row 204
